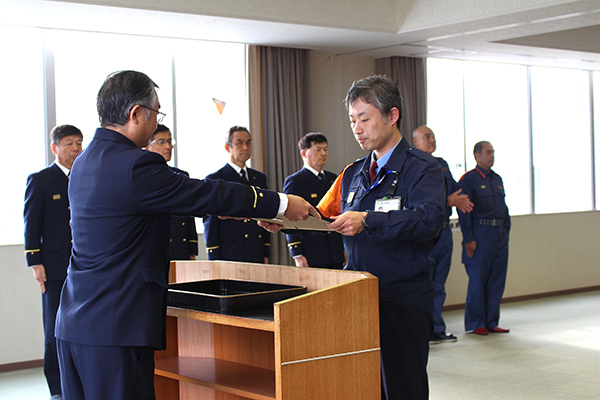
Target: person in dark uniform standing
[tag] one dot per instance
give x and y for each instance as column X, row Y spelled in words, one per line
column 441, row 256
column 231, row 239
column 184, row 237
column 313, row 248
column 47, row 219
column 485, row 243
column 390, row 208
column 113, row 306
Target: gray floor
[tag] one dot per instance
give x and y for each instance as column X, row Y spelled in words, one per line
column 552, row 352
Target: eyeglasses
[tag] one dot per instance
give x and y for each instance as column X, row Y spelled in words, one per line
column 159, row 115
column 162, row 142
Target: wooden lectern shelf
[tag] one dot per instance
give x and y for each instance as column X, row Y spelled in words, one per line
column 320, row 345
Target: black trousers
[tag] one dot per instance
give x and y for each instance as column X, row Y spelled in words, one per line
column 50, row 302
column 406, row 324
column 106, row 372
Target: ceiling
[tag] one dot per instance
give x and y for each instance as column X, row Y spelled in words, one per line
column 543, row 32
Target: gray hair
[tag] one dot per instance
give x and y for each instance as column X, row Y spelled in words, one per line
column 120, row 92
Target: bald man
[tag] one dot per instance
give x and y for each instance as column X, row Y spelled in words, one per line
column 441, row 256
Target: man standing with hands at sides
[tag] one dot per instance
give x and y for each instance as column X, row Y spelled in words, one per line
column 184, row 237
column 407, row 185
column 313, row 248
column 485, row 242
column 232, row 239
column 112, row 313
column 441, row 256
column 48, row 236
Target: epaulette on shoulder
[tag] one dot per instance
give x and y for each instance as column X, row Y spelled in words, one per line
column 465, row 174
column 420, row 154
column 358, row 160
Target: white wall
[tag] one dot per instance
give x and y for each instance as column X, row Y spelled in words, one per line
column 547, row 253
column 21, row 332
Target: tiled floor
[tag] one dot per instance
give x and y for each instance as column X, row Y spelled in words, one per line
column 552, row 352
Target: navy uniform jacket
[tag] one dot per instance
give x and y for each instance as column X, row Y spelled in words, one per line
column 319, row 248
column 47, row 216
column 486, row 191
column 397, row 244
column 184, row 237
column 122, row 199
column 235, row 240
column 451, row 185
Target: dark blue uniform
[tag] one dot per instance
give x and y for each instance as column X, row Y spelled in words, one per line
column 112, row 312
column 489, row 225
column 321, row 249
column 395, row 249
column 441, row 256
column 236, row 240
column 48, row 242
column 184, row 237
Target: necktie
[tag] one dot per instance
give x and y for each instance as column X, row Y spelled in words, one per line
column 322, row 176
column 243, row 175
column 372, row 171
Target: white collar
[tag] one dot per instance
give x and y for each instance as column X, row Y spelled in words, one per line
column 63, row 168
column 237, row 168
column 311, row 169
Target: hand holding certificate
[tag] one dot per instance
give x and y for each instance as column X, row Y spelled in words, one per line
column 311, row 223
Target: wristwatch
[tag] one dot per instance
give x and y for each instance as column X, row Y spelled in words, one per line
column 365, row 221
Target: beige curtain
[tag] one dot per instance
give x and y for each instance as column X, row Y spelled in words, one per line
column 277, row 83
column 410, row 76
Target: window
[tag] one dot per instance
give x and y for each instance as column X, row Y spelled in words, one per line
column 203, row 71
column 445, row 112
column 22, row 104
column 560, row 101
column 473, row 101
column 496, row 111
column 80, row 74
column 189, row 74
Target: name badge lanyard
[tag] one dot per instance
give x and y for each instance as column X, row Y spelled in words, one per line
column 391, row 190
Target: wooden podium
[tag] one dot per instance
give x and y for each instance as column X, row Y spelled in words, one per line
column 323, row 345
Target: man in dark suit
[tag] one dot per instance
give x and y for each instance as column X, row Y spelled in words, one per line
column 230, row 239
column 184, row 237
column 112, row 313
column 313, row 248
column 48, row 236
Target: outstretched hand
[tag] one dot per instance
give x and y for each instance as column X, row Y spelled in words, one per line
column 299, row 209
column 460, row 201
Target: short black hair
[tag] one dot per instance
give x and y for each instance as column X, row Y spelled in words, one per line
column 479, row 147
column 60, row 131
column 120, row 92
column 235, row 129
column 378, row 91
column 307, row 140
column 159, row 128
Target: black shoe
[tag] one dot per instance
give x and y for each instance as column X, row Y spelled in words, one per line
column 444, row 337
column 434, row 340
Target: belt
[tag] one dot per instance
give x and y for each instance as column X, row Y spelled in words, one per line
column 491, row 222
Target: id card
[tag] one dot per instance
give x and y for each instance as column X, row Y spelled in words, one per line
column 385, row 205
